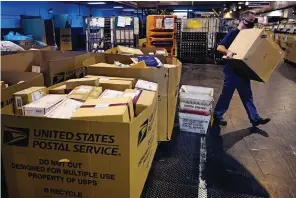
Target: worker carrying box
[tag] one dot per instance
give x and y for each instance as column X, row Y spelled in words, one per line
column 251, row 55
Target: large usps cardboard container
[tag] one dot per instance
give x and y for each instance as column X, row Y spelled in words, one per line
column 46, row 157
column 257, row 55
column 168, row 79
column 18, row 81
column 290, row 53
column 56, row 66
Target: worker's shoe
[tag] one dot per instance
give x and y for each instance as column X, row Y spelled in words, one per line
column 261, row 121
column 220, row 121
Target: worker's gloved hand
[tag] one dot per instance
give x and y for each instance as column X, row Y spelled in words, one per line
column 230, row 54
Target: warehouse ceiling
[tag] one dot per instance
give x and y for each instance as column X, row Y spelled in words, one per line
column 188, row 5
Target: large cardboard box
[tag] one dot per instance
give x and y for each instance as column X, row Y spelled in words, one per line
column 168, row 79
column 27, row 96
column 55, row 157
column 12, row 79
column 256, row 57
column 290, row 53
column 56, row 66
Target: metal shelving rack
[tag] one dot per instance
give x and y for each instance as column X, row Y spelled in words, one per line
column 178, row 37
column 125, row 34
column 98, row 34
column 198, row 39
column 161, row 32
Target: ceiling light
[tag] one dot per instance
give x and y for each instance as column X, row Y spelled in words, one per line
column 239, row 7
column 247, row 3
column 225, row 8
column 117, row 7
column 96, row 3
column 230, row 11
column 181, row 10
column 240, row 3
column 128, row 10
column 234, row 9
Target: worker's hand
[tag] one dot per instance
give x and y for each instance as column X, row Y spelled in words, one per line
column 230, row 54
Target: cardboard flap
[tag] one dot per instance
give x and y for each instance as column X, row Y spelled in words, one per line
column 94, row 59
column 61, row 65
column 78, row 60
column 30, row 79
column 12, row 78
column 19, row 62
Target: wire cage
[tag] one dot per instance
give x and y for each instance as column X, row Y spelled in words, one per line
column 125, row 31
column 198, row 39
column 98, row 34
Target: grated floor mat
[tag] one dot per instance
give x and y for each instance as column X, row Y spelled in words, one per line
column 175, row 171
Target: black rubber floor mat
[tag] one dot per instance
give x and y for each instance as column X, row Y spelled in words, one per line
column 162, row 189
column 177, row 161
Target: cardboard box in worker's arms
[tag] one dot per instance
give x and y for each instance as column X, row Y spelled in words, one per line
column 256, row 57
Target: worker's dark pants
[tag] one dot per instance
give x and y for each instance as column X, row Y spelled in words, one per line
column 243, row 86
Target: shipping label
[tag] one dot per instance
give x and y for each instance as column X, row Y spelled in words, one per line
column 37, row 95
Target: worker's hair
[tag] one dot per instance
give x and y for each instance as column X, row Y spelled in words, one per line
column 245, row 14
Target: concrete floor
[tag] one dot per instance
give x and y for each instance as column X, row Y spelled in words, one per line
column 240, row 162
column 267, row 157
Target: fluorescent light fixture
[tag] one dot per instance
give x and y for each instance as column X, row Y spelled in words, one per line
column 96, row 3
column 117, row 7
column 240, row 3
column 182, row 10
column 129, row 10
column 201, row 12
